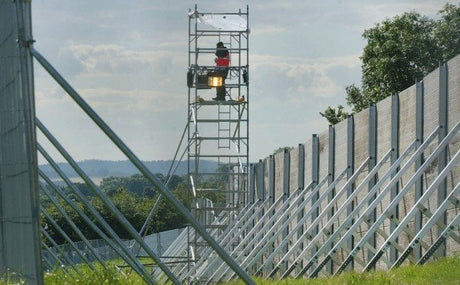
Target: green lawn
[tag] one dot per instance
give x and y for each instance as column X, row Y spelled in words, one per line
column 443, row 271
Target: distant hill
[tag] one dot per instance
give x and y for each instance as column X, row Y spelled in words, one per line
column 106, row 168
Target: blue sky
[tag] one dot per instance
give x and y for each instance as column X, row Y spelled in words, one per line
column 128, row 59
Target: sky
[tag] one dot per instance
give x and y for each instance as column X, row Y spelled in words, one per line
column 128, row 60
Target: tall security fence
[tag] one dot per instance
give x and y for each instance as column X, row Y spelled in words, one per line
column 375, row 191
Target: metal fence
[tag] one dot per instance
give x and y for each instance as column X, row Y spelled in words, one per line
column 158, row 242
column 378, row 190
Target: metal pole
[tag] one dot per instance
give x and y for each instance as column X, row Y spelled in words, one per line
column 301, row 185
column 394, row 157
column 261, row 180
column 286, row 194
column 107, row 202
column 443, row 129
column 252, row 184
column 143, row 169
column 371, row 164
column 315, row 180
column 331, row 178
column 57, row 259
column 76, row 229
column 120, row 248
column 64, row 235
column 271, row 179
column 350, row 171
column 419, row 124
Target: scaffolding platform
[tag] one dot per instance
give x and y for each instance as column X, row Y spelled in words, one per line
column 213, row 103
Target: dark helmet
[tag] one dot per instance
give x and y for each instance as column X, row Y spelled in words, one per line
column 220, row 44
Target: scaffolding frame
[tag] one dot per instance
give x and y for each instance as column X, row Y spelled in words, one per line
column 217, row 130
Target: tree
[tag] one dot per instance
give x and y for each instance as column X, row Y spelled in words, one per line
column 134, row 196
column 447, row 31
column 334, row 115
column 398, row 52
column 281, row 149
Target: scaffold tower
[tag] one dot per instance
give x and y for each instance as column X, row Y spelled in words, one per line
column 218, row 122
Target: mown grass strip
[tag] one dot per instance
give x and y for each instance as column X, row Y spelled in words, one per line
column 442, row 271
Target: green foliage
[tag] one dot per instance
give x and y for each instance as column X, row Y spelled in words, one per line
column 334, row 115
column 137, row 184
column 447, row 31
column 281, row 149
column 133, row 196
column 90, row 277
column 398, row 52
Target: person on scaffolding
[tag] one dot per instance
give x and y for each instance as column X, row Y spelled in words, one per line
column 222, row 63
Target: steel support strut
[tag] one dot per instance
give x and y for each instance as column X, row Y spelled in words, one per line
column 144, row 170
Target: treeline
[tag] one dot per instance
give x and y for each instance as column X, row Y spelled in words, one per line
column 134, row 196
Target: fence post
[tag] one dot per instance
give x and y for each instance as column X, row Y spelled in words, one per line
column 315, row 181
column 394, row 157
column 372, row 163
column 301, row 186
column 419, row 124
column 271, row 179
column 286, row 191
column 330, row 179
column 261, row 180
column 443, row 124
column 252, row 183
column 350, row 171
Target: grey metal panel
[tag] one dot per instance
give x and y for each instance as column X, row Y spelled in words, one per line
column 20, row 245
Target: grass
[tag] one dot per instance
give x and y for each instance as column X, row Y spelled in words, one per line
column 90, row 277
column 442, row 271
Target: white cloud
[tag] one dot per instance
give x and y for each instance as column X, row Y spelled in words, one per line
column 128, row 60
column 299, row 79
column 108, row 59
column 119, row 101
